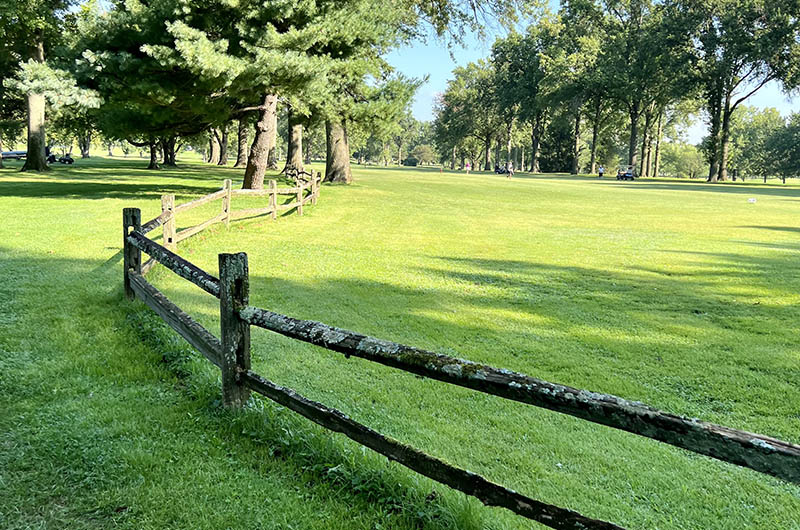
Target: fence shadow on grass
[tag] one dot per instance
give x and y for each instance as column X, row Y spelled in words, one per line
column 87, row 434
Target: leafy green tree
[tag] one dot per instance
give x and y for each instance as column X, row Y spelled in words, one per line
column 29, row 30
column 468, row 109
column 739, row 47
column 645, row 59
column 682, row 160
column 783, row 151
column 752, row 130
column 424, row 153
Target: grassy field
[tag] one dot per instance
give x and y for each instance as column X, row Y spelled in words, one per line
column 683, row 295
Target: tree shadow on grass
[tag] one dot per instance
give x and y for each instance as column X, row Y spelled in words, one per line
column 87, row 414
column 790, row 229
column 693, row 186
column 614, row 332
column 86, row 190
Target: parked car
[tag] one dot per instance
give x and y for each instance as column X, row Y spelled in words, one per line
column 14, row 155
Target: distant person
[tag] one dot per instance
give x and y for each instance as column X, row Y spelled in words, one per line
column 468, row 166
column 600, row 172
column 510, row 169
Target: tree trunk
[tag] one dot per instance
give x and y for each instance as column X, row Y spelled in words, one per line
column 509, row 129
column 453, row 159
column 294, row 151
column 337, row 153
column 595, row 133
column 241, row 144
column 84, row 143
column 634, row 113
column 213, row 148
column 168, row 148
column 659, row 134
column 110, row 152
column 259, row 152
column 725, row 139
column 522, row 157
column 272, row 139
column 35, row 159
column 153, row 156
column 222, row 138
column 537, row 124
column 487, row 159
column 715, row 109
column 645, row 139
column 576, row 147
column 1, row 153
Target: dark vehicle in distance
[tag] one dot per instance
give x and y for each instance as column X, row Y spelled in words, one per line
column 14, row 155
column 66, row 159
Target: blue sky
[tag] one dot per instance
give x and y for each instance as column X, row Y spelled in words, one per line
column 434, row 60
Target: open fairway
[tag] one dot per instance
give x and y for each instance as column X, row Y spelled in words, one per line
column 683, row 295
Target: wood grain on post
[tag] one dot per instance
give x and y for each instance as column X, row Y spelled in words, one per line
column 168, row 212
column 273, row 198
column 131, row 256
column 314, row 187
column 235, row 332
column 489, row 493
column 758, row 452
column 226, row 202
column 299, row 198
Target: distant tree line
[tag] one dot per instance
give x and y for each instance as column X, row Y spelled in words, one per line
column 607, row 81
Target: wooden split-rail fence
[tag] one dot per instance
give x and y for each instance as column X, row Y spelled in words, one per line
column 231, row 353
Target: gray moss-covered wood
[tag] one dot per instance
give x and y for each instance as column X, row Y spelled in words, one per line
column 176, row 264
column 195, row 334
column 235, row 332
column 761, row 453
column 487, row 492
column 131, row 256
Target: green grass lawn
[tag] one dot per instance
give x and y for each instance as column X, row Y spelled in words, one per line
column 680, row 294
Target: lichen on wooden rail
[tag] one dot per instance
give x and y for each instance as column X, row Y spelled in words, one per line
column 760, row 453
column 195, row 334
column 176, row 264
column 489, row 493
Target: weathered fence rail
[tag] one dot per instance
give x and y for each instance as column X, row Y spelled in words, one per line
column 231, row 353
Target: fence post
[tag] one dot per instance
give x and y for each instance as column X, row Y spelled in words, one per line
column 226, row 202
column 314, row 187
column 273, row 198
column 132, row 256
column 168, row 208
column 299, row 197
column 234, row 287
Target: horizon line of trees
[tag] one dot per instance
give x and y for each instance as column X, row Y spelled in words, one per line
column 610, row 81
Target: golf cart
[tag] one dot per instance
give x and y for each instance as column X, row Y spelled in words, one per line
column 626, row 173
